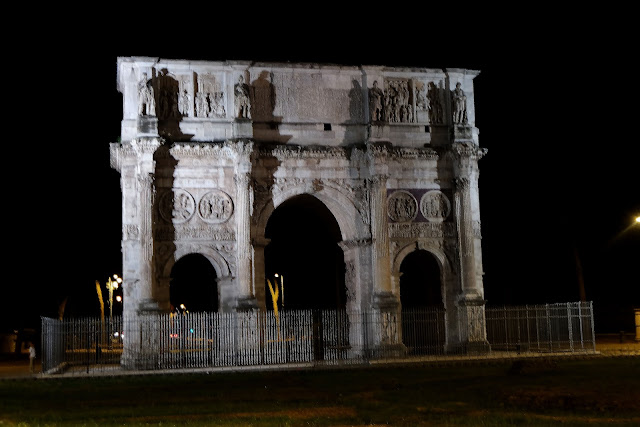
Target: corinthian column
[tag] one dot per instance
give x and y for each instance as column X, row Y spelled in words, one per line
column 380, row 235
column 467, row 216
column 146, row 191
column 242, row 178
column 145, row 149
column 470, row 315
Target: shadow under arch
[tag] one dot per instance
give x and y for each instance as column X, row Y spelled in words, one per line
column 193, row 285
column 341, row 207
column 437, row 253
column 219, row 264
column 303, row 247
column 424, row 309
column 420, row 281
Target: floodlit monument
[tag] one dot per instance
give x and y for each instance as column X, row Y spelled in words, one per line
column 210, row 150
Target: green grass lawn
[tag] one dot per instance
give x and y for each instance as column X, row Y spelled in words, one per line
column 570, row 392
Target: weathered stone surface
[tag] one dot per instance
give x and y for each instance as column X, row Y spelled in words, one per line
column 210, row 149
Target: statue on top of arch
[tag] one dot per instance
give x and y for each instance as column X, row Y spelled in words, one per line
column 146, row 99
column 459, row 105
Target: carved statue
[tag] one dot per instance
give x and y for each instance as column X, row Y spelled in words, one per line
column 184, row 103
column 201, row 105
column 459, row 105
column 375, row 102
column 435, row 106
column 396, row 99
column 216, row 101
column 421, row 101
column 146, row 100
column 242, row 97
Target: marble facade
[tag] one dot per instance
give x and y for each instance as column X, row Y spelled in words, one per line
column 209, row 150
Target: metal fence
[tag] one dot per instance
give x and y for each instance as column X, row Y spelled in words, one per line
column 310, row 337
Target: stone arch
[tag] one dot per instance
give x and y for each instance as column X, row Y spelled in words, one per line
column 219, row 263
column 433, row 249
column 341, row 206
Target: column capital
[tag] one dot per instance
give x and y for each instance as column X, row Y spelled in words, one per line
column 464, row 150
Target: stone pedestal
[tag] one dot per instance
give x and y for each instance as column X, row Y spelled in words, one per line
column 147, row 126
column 472, row 325
column 242, row 128
column 388, row 326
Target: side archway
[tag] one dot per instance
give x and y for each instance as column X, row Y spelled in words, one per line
column 420, row 274
column 193, row 285
column 214, row 269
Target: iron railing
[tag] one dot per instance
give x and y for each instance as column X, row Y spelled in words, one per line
column 309, row 337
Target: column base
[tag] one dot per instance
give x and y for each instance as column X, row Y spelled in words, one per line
column 248, row 303
column 148, row 306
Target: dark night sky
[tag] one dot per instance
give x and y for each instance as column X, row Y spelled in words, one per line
column 553, row 105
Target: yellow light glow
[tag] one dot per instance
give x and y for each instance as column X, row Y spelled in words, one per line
column 119, row 298
column 638, row 219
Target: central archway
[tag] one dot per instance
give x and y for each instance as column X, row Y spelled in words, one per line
column 304, row 252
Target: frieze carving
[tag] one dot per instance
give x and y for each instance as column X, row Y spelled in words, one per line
column 298, row 152
column 197, row 232
column 435, row 206
column 215, row 207
column 398, row 106
column 211, row 150
column 176, row 206
column 209, row 99
column 421, row 229
column 402, row 206
column 402, row 153
column 130, row 232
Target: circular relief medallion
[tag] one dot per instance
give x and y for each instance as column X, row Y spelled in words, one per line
column 215, row 207
column 402, row 206
column 435, row 206
column 177, row 206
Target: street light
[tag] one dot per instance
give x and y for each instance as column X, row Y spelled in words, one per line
column 111, row 285
column 281, row 286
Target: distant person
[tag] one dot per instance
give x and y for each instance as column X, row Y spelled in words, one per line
column 32, row 356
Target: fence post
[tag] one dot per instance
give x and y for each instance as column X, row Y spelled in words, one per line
column 570, row 320
column 593, row 331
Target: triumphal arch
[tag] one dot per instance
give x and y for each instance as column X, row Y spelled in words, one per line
column 210, row 150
